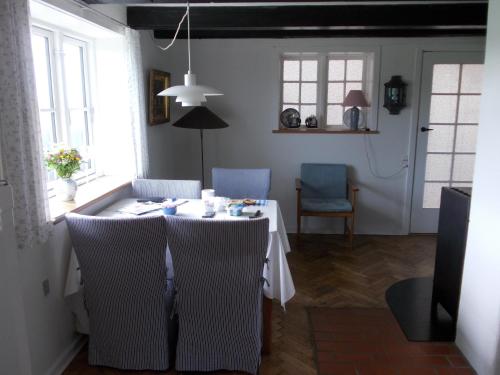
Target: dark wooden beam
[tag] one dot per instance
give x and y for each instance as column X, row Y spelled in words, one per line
column 313, row 21
column 342, row 33
column 256, row 3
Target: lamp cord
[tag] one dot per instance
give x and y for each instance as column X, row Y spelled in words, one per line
column 370, row 166
column 189, row 39
column 175, row 36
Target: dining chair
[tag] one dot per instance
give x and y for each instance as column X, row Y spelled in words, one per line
column 323, row 190
column 218, row 281
column 147, row 188
column 127, row 294
column 241, row 183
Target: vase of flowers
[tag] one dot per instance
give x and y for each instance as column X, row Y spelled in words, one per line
column 65, row 162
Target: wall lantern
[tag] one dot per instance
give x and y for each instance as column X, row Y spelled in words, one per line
column 395, row 95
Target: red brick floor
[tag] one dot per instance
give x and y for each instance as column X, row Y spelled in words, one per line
column 363, row 341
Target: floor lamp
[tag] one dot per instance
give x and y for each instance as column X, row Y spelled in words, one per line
column 201, row 118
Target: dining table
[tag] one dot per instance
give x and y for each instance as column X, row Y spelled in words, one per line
column 278, row 282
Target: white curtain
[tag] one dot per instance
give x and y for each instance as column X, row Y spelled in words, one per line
column 137, row 102
column 20, row 132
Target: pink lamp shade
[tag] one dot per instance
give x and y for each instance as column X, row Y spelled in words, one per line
column 355, row 98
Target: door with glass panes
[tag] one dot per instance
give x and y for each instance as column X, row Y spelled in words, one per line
column 447, row 128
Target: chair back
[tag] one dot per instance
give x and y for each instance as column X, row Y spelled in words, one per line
column 122, row 263
column 241, row 183
column 323, row 180
column 218, row 281
column 147, row 188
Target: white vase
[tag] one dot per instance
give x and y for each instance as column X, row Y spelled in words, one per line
column 66, row 189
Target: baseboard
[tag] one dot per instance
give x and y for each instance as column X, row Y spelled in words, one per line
column 67, row 356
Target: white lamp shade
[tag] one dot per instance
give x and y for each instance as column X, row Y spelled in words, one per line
column 190, row 94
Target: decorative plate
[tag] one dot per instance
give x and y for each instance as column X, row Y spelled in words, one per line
column 290, row 118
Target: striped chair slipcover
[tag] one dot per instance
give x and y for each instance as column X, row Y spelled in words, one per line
column 127, row 296
column 241, row 183
column 218, row 281
column 187, row 189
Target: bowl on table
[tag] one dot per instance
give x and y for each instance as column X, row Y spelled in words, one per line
column 236, row 209
column 170, row 210
column 169, row 206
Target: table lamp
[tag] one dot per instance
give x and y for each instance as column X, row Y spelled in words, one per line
column 201, row 118
column 354, row 99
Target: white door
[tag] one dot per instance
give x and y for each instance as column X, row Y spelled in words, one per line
column 447, row 127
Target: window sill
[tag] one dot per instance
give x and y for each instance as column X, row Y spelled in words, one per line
column 328, row 130
column 87, row 195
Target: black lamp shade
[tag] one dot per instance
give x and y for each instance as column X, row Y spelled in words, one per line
column 200, row 118
column 395, row 95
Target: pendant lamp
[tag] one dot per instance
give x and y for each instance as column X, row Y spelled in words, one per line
column 190, row 94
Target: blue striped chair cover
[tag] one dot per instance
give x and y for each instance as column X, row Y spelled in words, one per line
column 218, row 281
column 128, row 299
column 241, row 183
column 186, row 189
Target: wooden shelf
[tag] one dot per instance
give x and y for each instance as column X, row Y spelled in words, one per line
column 329, row 130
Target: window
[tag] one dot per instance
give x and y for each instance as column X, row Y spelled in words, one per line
column 300, row 86
column 63, row 92
column 316, row 84
column 344, row 75
column 454, row 117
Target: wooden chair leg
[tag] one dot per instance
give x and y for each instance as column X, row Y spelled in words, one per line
column 345, row 226
column 351, row 231
column 299, row 217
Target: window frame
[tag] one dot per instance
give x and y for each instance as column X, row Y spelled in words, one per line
column 52, row 70
column 343, row 56
column 301, row 57
column 371, row 78
column 56, row 37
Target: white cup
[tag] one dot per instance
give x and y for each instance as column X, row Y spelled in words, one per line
column 206, row 194
column 220, row 203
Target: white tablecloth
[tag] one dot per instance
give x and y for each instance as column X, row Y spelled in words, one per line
column 280, row 284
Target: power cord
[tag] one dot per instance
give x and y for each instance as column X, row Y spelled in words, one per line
column 366, row 142
column 175, row 35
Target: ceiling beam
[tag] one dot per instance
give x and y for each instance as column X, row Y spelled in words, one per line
column 195, row 3
column 314, row 21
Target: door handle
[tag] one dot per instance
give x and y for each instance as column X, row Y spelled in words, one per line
column 423, row 129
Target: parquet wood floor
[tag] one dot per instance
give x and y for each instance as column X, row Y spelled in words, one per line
column 326, row 273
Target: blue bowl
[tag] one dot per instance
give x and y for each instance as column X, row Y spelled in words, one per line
column 236, row 210
column 169, row 210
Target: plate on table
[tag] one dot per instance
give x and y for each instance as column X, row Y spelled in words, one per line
column 246, row 202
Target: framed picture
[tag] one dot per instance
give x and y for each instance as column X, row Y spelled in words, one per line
column 159, row 106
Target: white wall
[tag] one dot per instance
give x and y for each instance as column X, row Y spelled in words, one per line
column 247, row 71
column 13, row 338
column 479, row 316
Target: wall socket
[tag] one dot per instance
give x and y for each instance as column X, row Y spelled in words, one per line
column 46, row 287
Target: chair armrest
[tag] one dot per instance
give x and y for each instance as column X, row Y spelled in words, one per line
column 354, row 190
column 298, row 184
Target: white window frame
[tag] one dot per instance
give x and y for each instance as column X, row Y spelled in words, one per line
column 57, row 36
column 370, row 59
column 342, row 56
column 302, row 57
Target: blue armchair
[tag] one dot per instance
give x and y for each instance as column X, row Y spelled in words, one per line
column 323, row 190
column 241, row 183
